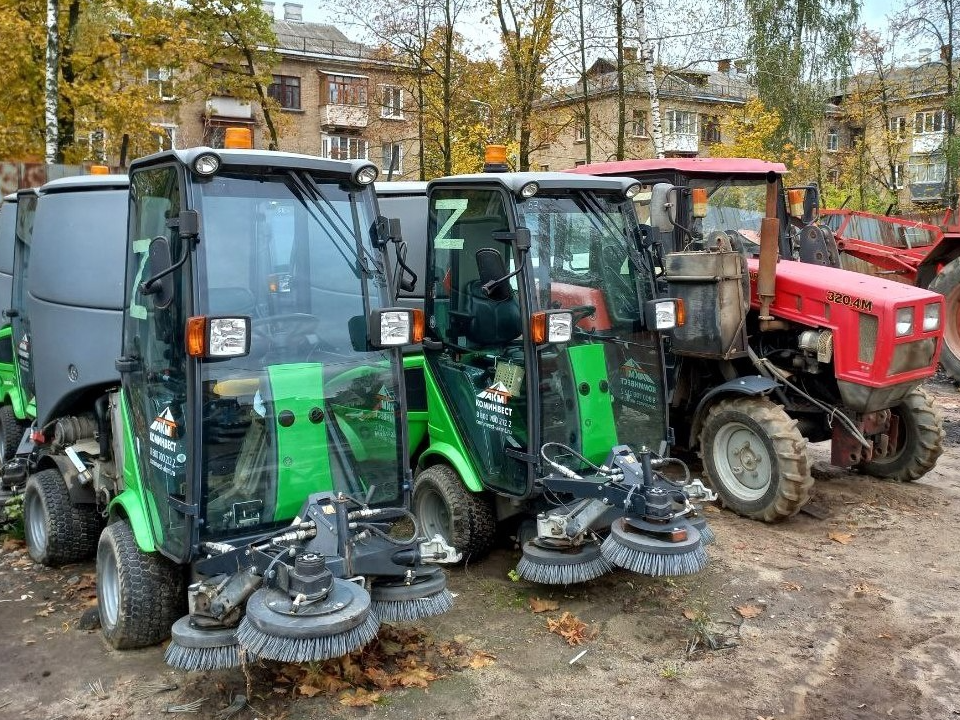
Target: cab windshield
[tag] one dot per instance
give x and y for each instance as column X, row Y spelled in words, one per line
column 585, row 260
column 310, row 408
column 734, row 205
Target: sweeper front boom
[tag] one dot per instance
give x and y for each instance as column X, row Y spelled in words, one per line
column 254, row 441
column 539, row 364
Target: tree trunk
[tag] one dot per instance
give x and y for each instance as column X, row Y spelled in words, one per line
column 621, row 91
column 656, row 128
column 585, row 85
column 447, row 90
column 264, row 107
column 51, row 88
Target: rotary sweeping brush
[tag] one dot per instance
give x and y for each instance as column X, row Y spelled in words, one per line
column 196, row 648
column 295, row 630
column 403, row 601
column 707, row 536
column 561, row 565
column 642, row 552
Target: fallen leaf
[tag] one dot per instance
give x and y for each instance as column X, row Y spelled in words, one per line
column 539, row 606
column 11, row 544
column 748, row 611
column 481, row 659
column 792, row 586
column 570, row 628
column 416, row 677
column 689, row 614
column 360, row 698
column 308, row 690
column 840, row 537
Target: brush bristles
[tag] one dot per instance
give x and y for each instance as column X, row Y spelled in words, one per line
column 416, row 609
column 707, row 536
column 655, row 564
column 564, row 574
column 193, row 659
column 297, row 650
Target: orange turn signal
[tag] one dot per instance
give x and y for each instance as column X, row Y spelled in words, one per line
column 795, row 198
column 699, row 202
column 538, row 328
column 681, row 313
column 196, row 335
column 419, row 326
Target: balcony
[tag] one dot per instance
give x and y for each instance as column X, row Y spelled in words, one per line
column 927, row 192
column 228, row 107
column 679, row 142
column 344, row 116
column 928, row 142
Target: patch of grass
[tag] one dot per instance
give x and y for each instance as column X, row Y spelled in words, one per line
column 670, row 670
column 11, row 517
column 502, row 596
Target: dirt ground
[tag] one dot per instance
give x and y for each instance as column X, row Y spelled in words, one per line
column 845, row 616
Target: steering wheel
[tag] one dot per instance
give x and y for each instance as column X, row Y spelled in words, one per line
column 281, row 330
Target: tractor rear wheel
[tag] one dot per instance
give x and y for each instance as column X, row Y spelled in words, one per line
column 140, row 594
column 920, row 443
column 11, row 431
column 444, row 505
column 947, row 283
column 755, row 458
column 57, row 531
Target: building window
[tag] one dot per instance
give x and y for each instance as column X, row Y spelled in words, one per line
column 681, row 122
column 285, row 89
column 344, row 147
column 162, row 80
column 544, row 168
column 806, row 140
column 898, row 173
column 709, row 129
column 580, row 132
column 392, row 155
column 834, row 176
column 580, row 163
column 927, row 169
column 391, row 102
column 833, row 140
column 166, row 136
column 638, row 127
column 928, row 121
column 898, row 127
column 346, row 90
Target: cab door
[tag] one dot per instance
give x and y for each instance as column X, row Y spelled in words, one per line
column 476, row 351
column 156, row 377
column 20, row 322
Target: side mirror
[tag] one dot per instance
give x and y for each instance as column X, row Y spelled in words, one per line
column 387, row 229
column 803, row 203
column 663, row 207
column 160, row 284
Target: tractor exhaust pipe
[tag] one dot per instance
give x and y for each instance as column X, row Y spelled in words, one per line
column 769, row 254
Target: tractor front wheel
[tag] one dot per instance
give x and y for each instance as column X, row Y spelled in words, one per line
column 444, row 505
column 57, row 531
column 947, row 283
column 920, row 442
column 140, row 594
column 755, row 458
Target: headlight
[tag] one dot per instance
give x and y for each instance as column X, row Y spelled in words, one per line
column 529, row 190
column 206, row 164
column 366, row 175
column 394, row 327
column 904, row 321
column 931, row 317
column 551, row 326
column 632, row 190
column 228, row 337
column 664, row 314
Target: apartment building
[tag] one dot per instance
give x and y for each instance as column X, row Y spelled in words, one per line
column 338, row 99
column 692, row 104
column 899, row 117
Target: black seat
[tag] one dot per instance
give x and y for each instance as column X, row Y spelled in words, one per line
column 494, row 312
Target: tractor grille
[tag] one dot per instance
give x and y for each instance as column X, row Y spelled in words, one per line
column 869, row 328
column 912, row 356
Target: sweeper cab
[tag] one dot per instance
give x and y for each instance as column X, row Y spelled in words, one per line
column 784, row 347
column 254, row 441
column 540, row 389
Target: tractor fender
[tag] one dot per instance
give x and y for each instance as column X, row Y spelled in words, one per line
column 130, row 506
column 750, row 386
column 79, row 494
column 445, row 452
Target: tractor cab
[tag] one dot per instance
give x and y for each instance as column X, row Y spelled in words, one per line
column 274, row 391
column 543, row 355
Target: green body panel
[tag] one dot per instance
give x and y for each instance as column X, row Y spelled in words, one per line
column 303, row 461
column 598, row 427
column 135, row 504
column 416, row 429
column 9, row 383
column 444, row 438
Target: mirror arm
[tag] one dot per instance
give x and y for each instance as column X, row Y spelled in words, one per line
column 149, row 286
column 488, row 287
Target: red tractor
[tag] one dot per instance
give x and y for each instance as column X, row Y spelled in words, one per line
column 780, row 345
column 916, row 253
